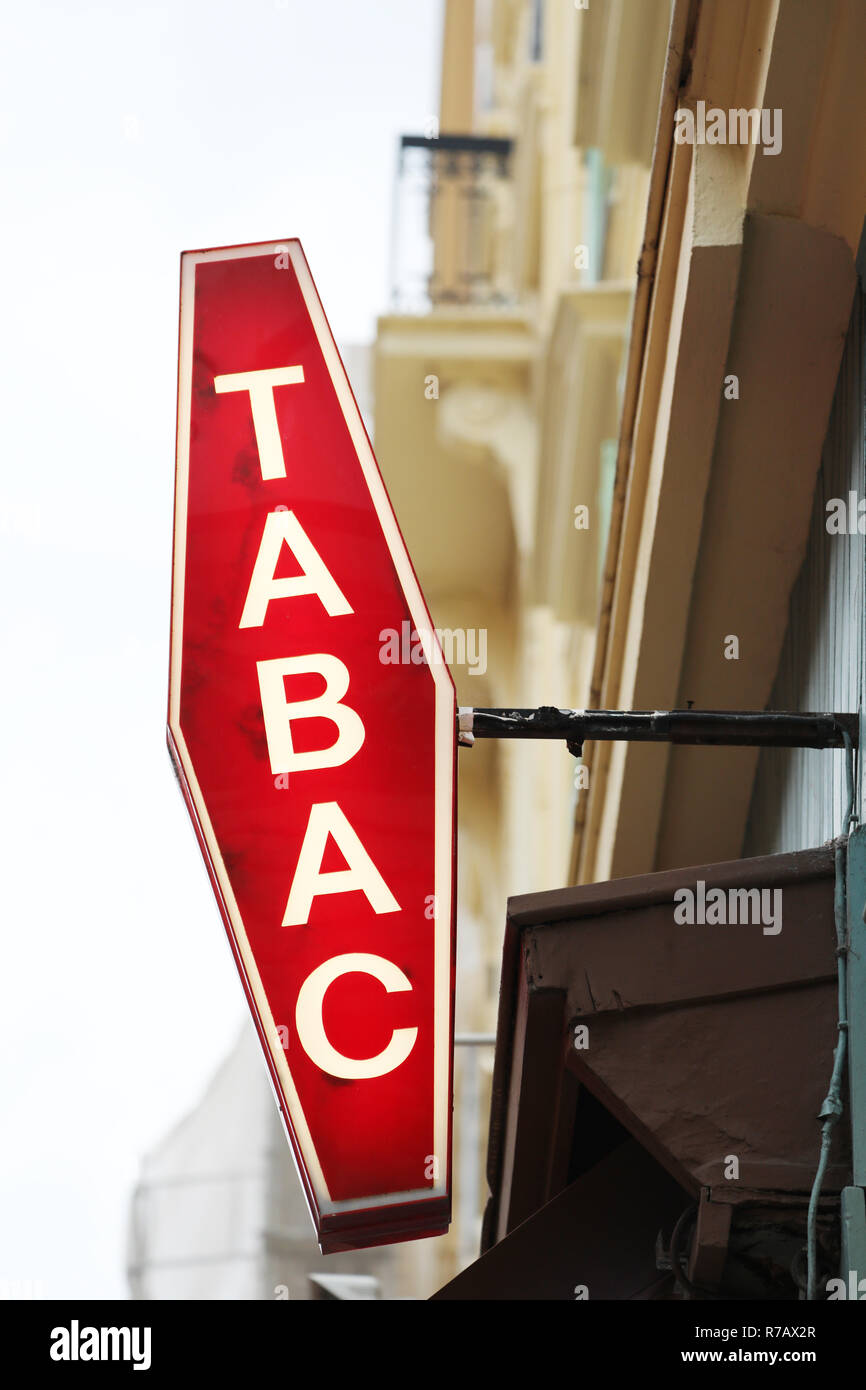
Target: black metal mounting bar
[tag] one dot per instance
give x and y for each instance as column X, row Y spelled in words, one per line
column 719, row 728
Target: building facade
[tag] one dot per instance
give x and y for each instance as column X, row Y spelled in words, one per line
column 732, row 579
column 620, row 380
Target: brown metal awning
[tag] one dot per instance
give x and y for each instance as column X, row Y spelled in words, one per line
column 705, row 1041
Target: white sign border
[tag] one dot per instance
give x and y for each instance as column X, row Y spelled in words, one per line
column 445, row 716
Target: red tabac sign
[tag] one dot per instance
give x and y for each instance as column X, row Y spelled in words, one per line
column 319, row 777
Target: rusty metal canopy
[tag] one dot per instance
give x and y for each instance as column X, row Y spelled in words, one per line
column 703, row 1042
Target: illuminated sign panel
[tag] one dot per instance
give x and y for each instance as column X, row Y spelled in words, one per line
column 319, row 778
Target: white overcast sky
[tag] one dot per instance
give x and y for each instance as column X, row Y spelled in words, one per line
column 129, row 132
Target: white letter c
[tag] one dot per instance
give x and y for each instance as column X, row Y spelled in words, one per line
column 311, row 1028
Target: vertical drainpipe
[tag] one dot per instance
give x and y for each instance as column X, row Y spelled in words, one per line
column 854, row 1197
column 853, row 1202
column 677, row 64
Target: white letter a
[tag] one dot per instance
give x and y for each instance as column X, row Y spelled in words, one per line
column 283, row 528
column 309, row 882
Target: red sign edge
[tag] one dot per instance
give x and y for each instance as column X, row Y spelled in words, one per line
column 364, row 1226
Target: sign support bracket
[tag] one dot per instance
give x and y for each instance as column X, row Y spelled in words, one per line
column 711, row 728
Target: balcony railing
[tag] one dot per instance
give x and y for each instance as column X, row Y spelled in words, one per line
column 451, row 214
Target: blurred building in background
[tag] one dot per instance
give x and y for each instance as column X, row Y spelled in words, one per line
column 519, row 215
column 218, row 1211
column 518, row 223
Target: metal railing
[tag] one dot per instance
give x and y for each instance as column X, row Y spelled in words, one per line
column 449, row 201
